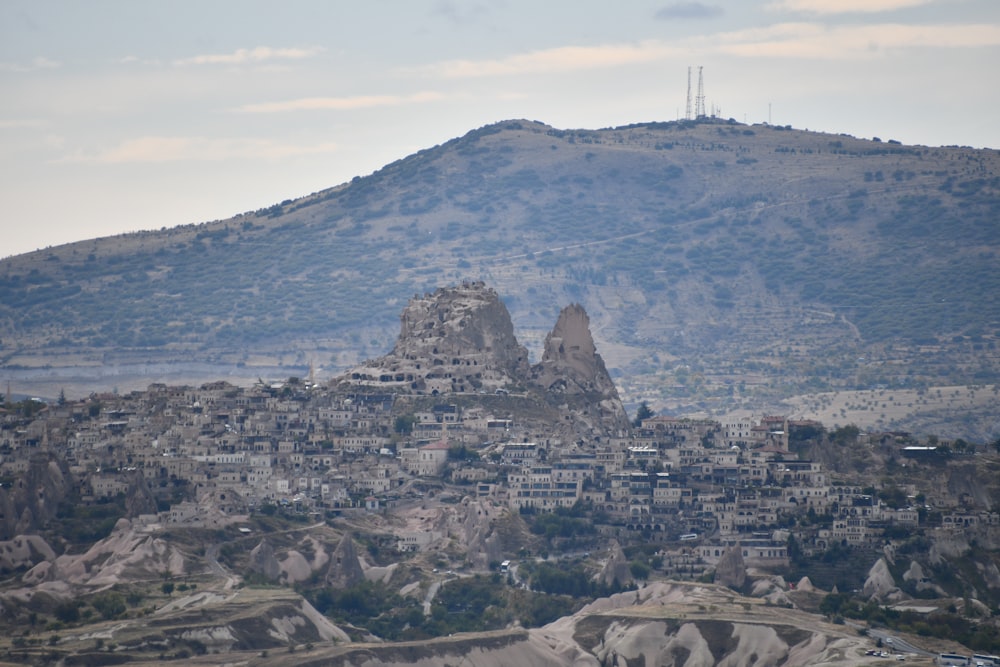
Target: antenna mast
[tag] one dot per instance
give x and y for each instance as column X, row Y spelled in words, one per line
column 687, row 112
column 699, row 102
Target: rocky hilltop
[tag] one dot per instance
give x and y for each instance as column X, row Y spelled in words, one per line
column 456, row 339
column 460, row 340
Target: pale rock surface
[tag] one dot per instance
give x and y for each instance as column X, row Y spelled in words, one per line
column 294, row 567
column 461, row 340
column 24, row 551
column 127, row 553
column 880, row 585
column 644, row 627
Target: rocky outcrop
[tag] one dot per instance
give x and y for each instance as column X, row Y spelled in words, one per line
column 461, row 340
column 616, row 571
column 482, row 544
column 573, row 374
column 24, row 551
column 139, row 497
column 344, row 568
column 880, row 585
column 458, row 339
column 34, row 497
column 731, row 571
column 127, row 554
column 263, row 561
column 967, row 482
column 916, row 576
column 570, row 363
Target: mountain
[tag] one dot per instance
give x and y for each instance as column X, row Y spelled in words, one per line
column 721, row 265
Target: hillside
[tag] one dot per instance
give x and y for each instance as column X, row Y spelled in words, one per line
column 722, row 266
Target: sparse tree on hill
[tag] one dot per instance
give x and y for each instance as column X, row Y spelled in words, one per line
column 643, row 412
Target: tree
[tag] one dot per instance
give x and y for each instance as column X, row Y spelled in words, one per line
column 644, row 412
column 404, row 424
column 68, row 612
column 109, row 605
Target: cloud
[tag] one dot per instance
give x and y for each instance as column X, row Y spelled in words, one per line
column 340, row 103
column 789, row 40
column 37, row 63
column 844, row 6
column 256, row 55
column 153, row 149
column 560, row 59
column 689, row 10
column 20, row 123
column 132, row 60
column 845, row 42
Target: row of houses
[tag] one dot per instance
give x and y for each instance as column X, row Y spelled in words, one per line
column 317, row 449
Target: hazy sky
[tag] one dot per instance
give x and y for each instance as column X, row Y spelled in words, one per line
column 120, row 115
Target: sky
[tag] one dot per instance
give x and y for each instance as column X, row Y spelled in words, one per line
column 126, row 115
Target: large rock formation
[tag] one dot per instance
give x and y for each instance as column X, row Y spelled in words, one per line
column 131, row 552
column 139, row 498
column 344, row 568
column 570, row 363
column 458, row 339
column 32, row 500
column 572, row 373
column 616, row 570
column 880, row 585
column 731, row 571
column 461, row 340
column 482, row 544
column 263, row 561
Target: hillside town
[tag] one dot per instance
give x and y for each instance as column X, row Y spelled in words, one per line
column 234, row 451
column 408, row 495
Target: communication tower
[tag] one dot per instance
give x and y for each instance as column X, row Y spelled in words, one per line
column 687, row 111
column 699, row 102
